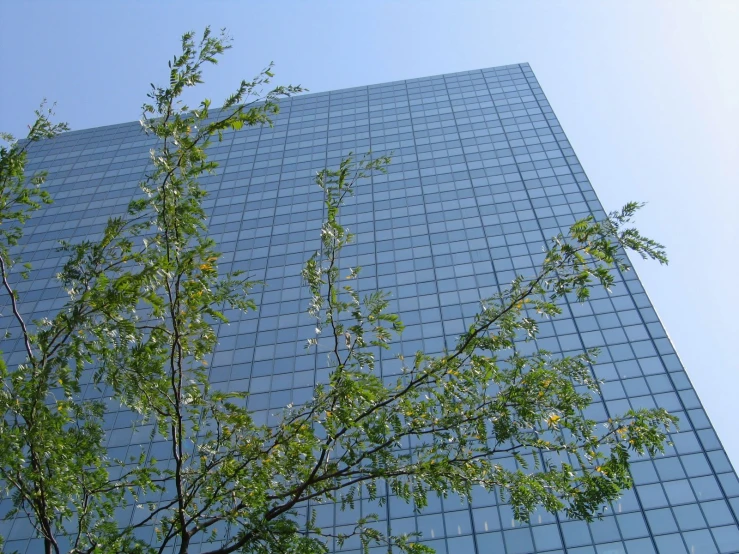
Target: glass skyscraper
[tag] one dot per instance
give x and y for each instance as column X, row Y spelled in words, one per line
column 482, row 176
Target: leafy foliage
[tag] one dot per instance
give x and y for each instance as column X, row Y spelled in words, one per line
column 144, row 304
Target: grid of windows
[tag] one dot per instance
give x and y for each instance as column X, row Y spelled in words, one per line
column 482, row 175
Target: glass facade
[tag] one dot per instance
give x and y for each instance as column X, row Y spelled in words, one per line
column 482, row 175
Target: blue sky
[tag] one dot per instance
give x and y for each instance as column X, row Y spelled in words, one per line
column 647, row 92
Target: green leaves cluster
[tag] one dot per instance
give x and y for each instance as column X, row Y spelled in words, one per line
column 145, row 300
column 441, row 426
column 20, row 195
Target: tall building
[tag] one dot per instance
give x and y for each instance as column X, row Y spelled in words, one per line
column 482, row 176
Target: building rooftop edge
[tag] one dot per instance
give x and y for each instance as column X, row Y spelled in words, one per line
column 339, row 90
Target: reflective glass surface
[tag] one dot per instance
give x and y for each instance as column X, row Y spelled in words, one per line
column 482, row 175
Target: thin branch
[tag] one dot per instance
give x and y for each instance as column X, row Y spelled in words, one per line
column 16, row 313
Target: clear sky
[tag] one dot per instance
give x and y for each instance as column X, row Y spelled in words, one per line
column 647, row 92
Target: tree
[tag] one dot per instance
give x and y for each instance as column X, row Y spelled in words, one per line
column 145, row 300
